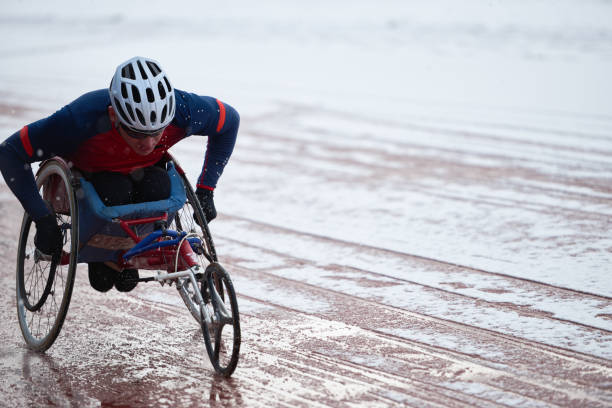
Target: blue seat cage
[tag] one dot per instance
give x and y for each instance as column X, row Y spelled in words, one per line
column 119, row 233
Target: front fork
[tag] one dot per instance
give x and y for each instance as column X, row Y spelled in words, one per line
column 221, row 315
column 194, row 301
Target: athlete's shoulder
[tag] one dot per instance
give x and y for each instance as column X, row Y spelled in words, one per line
column 187, row 101
column 90, row 111
column 195, row 112
column 99, row 97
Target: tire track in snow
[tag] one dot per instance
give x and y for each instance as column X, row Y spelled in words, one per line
column 291, row 110
column 391, row 252
column 298, row 363
column 129, row 322
column 449, row 323
column 497, row 305
column 338, row 363
column 455, row 356
column 551, row 196
column 482, row 166
column 535, row 379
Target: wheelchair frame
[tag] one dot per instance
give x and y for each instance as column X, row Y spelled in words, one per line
column 203, row 284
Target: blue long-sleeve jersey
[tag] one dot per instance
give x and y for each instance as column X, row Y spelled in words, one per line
column 82, row 133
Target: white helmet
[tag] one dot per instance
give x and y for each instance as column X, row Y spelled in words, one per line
column 142, row 95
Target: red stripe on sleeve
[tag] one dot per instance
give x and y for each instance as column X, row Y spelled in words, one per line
column 25, row 141
column 221, row 116
column 205, row 187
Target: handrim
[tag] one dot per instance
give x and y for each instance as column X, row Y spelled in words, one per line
column 40, row 328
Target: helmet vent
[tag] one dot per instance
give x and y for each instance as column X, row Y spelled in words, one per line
column 135, row 94
column 143, row 74
column 150, row 96
column 121, row 112
column 154, row 68
column 128, row 72
column 142, row 96
column 167, row 84
column 130, row 111
column 163, row 115
column 140, row 117
column 162, row 91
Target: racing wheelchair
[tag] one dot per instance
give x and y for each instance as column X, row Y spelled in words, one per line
column 168, row 236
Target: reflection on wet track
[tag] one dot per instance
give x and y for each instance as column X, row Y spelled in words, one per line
column 336, row 319
column 388, row 248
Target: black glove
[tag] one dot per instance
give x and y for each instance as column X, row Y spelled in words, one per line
column 49, row 238
column 205, row 197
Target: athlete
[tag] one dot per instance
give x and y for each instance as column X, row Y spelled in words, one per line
column 117, row 139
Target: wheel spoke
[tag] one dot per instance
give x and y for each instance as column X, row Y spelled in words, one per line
column 222, row 334
column 43, row 282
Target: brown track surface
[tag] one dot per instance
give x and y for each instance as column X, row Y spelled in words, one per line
column 349, row 345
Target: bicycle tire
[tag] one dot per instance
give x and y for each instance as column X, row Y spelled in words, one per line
column 195, row 220
column 191, row 218
column 41, row 327
column 46, row 291
column 217, row 275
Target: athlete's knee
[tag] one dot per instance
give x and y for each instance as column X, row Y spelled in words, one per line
column 113, row 188
column 151, row 184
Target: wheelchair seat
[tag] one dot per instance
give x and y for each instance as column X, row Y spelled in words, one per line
column 100, row 236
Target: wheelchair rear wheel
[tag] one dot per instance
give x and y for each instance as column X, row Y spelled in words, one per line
column 44, row 283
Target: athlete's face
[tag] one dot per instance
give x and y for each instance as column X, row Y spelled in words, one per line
column 139, row 144
column 142, row 146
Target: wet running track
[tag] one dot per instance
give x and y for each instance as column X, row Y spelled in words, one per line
column 428, row 263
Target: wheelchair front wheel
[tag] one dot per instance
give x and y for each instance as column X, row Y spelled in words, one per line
column 44, row 283
column 222, row 336
column 190, row 219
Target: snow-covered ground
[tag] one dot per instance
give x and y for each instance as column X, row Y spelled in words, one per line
column 417, row 80
column 456, row 145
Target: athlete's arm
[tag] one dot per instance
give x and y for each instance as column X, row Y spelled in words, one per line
column 206, row 116
column 37, row 141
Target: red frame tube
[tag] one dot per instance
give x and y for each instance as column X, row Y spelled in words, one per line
column 125, row 225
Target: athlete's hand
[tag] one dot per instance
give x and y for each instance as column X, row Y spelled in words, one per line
column 206, row 201
column 48, row 238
